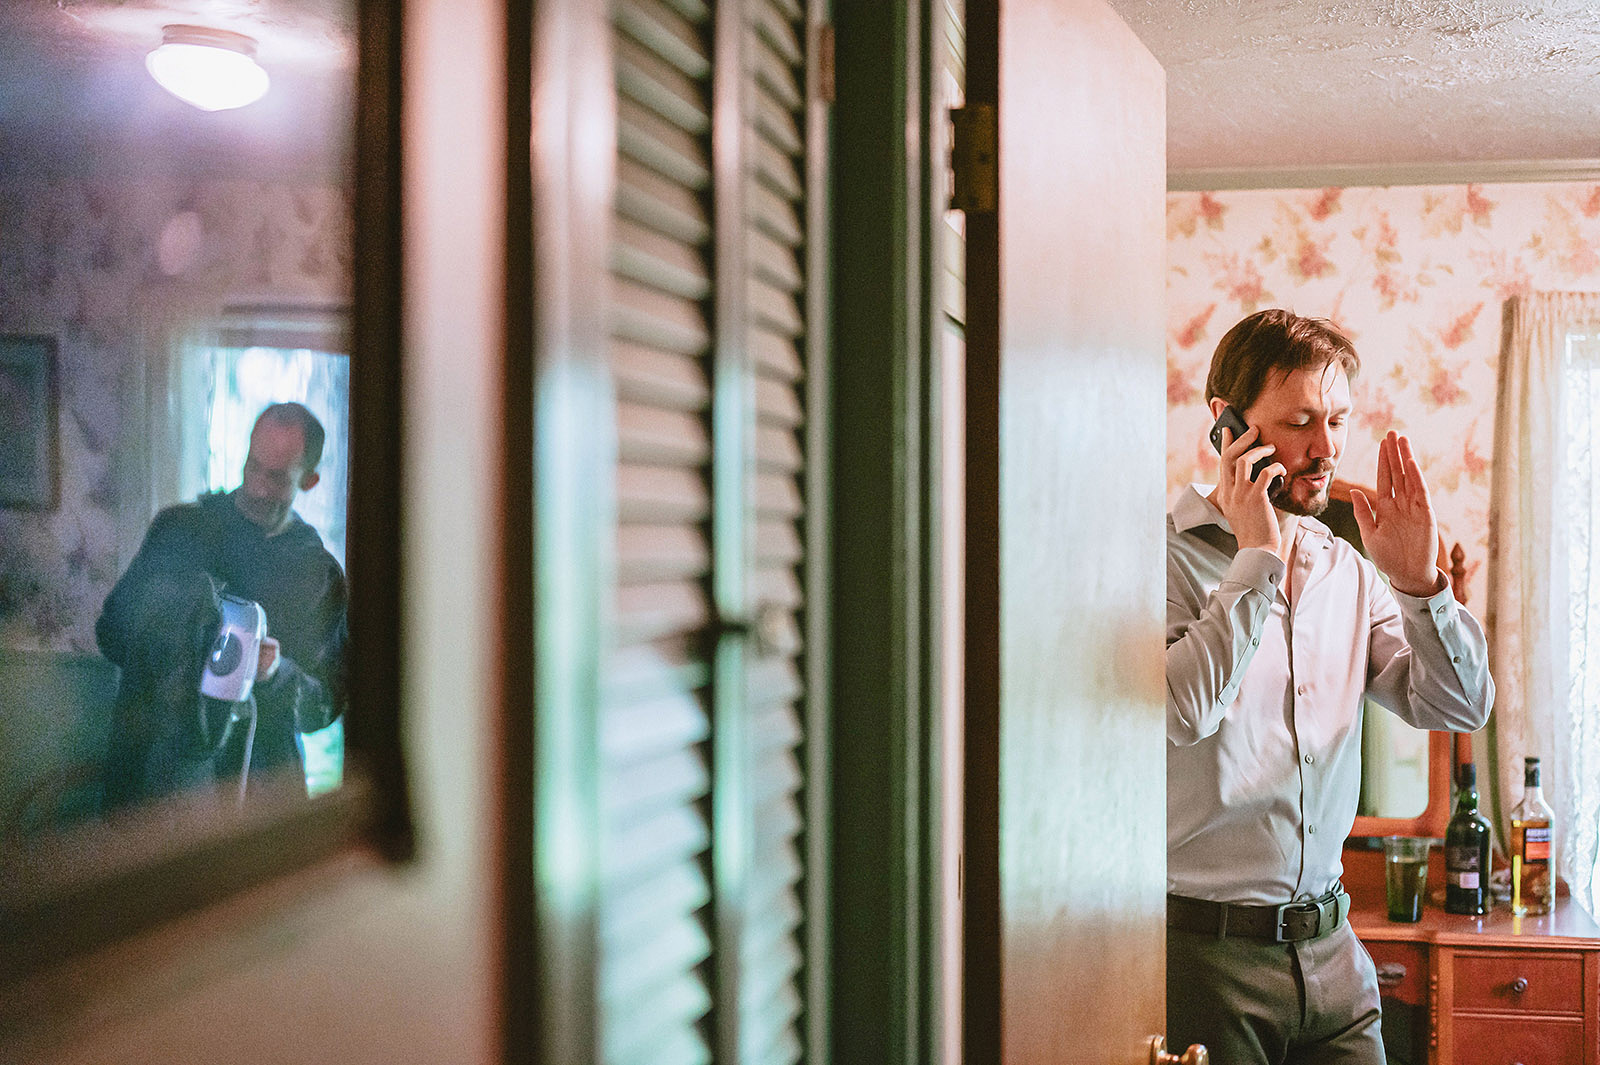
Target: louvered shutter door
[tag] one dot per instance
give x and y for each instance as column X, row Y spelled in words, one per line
column 661, row 976
column 655, row 990
column 770, row 999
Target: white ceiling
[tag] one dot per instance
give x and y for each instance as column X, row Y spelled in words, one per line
column 1416, row 84
column 75, row 97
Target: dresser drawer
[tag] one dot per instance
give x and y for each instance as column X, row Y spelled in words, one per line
column 1518, row 981
column 1402, row 970
column 1496, row 1041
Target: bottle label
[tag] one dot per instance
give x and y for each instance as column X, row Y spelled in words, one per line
column 1461, row 866
column 1536, row 844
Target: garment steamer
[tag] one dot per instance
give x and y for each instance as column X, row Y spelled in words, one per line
column 230, row 672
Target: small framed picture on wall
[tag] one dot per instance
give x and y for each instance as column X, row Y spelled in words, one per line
column 30, row 470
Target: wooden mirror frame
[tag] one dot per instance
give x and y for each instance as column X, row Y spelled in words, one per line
column 87, row 890
column 1445, row 749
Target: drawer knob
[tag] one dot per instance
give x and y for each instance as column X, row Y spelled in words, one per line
column 1391, row 973
column 1520, row 984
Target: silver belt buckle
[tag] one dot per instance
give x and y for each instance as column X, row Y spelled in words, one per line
column 1334, row 903
column 1298, row 907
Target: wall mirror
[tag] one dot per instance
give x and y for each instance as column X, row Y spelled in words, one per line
column 1405, row 771
column 192, row 699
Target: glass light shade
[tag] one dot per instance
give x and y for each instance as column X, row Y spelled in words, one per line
column 210, row 69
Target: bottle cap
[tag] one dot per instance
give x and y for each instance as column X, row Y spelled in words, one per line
column 1530, row 772
column 1467, row 775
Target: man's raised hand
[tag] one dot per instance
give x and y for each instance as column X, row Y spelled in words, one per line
column 1398, row 527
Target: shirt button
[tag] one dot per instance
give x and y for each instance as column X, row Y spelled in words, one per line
column 1309, row 759
column 1456, row 660
column 1311, row 829
column 1300, row 690
column 1272, row 578
column 1254, row 640
column 1440, row 611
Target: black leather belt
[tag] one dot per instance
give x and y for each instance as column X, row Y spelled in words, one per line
column 1292, row 922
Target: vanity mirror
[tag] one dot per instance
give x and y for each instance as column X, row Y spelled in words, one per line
column 186, row 253
column 1405, row 772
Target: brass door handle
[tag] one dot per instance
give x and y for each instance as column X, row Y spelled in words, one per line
column 1520, row 984
column 1197, row 1054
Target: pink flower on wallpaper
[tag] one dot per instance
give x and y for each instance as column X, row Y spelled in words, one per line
column 1445, row 211
column 1442, row 472
column 1239, row 280
column 1459, row 329
column 1385, row 240
column 1374, row 409
column 1504, row 275
column 1323, row 203
column 1479, row 206
column 1564, row 240
column 1189, row 333
column 1579, row 258
column 1443, row 387
column 1310, row 260
column 1441, row 213
column 1181, row 389
column 1589, row 201
column 1184, row 215
column 1305, row 255
column 1393, row 288
column 1473, row 464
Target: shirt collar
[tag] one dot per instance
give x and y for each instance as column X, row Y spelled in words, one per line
column 1193, row 510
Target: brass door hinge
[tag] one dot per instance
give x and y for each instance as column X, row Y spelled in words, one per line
column 974, row 159
column 827, row 89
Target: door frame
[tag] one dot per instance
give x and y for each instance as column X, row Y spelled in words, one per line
column 885, row 988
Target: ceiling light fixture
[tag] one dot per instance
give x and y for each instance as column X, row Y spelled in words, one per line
column 214, row 70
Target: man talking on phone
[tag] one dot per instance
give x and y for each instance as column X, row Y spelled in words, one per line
column 1276, row 631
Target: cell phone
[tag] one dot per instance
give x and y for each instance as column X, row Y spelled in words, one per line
column 1232, row 420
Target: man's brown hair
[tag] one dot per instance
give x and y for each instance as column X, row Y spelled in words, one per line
column 1274, row 342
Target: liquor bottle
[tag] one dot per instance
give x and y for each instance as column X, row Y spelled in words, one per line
column 1466, row 850
column 1533, row 883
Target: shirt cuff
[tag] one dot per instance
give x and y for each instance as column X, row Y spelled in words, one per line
column 1257, row 568
column 1441, row 606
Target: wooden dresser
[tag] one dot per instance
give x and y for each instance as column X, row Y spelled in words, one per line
column 1494, row 990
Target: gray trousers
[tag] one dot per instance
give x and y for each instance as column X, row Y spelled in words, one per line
column 1257, row 1003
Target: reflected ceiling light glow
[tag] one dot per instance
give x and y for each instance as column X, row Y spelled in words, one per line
column 214, row 70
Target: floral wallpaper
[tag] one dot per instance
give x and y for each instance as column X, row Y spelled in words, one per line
column 92, row 263
column 1414, row 275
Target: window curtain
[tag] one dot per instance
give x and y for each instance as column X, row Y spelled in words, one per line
column 164, row 462
column 1543, row 614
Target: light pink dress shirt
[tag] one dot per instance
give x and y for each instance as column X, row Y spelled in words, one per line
column 1264, row 701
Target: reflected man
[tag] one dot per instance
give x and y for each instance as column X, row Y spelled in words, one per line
column 159, row 621
column 1276, row 631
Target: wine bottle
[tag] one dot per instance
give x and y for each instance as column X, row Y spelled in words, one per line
column 1466, row 850
column 1533, row 883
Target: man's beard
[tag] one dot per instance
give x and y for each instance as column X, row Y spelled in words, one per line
column 1284, row 501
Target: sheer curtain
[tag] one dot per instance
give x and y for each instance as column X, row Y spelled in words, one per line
column 1543, row 616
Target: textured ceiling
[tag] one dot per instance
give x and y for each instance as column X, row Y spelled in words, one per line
column 1282, row 84
column 75, row 97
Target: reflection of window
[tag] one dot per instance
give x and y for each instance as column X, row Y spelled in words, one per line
column 274, row 358
column 1580, row 489
column 245, row 379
